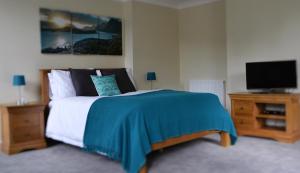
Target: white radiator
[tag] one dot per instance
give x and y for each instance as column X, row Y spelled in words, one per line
column 216, row 87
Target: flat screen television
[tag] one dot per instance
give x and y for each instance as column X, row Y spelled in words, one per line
column 274, row 75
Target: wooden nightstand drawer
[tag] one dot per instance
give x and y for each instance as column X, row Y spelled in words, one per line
column 25, row 134
column 244, row 123
column 242, row 107
column 24, row 120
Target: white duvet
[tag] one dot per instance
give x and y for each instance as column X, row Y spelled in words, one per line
column 67, row 118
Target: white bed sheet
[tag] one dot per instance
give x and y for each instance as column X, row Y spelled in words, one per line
column 67, row 118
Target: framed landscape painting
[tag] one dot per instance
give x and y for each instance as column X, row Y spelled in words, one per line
column 65, row 32
column 56, row 35
column 110, row 35
column 84, row 34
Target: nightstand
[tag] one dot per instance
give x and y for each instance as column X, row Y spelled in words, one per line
column 22, row 127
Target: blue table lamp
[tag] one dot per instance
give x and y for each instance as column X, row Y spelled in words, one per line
column 151, row 76
column 19, row 81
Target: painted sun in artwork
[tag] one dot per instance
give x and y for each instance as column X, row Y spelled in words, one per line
column 56, row 31
column 60, row 21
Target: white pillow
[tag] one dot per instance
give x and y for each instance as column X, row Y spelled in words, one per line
column 61, row 85
column 98, row 72
column 51, row 87
column 129, row 72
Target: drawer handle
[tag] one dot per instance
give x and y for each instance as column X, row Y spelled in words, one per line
column 241, row 122
column 241, row 108
column 26, row 121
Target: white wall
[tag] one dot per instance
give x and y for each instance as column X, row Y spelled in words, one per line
column 149, row 34
column 216, row 46
column 178, row 44
column 155, row 45
column 128, row 36
column 202, row 42
column 150, row 37
column 260, row 30
column 20, row 42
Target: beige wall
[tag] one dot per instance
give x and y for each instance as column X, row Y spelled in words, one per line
column 128, row 33
column 150, row 43
column 155, row 45
column 20, row 42
column 260, row 30
column 178, row 44
column 202, row 42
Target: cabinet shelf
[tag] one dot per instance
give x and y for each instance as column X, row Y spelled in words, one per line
column 271, row 116
column 272, row 129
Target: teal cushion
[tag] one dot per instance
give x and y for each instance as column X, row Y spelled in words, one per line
column 106, row 85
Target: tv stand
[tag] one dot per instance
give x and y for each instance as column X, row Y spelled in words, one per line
column 271, row 91
column 271, row 115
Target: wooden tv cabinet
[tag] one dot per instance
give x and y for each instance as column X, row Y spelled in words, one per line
column 275, row 116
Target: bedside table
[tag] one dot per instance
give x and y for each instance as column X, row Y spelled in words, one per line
column 22, row 127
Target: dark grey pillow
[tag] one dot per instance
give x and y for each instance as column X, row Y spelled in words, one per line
column 83, row 83
column 124, row 83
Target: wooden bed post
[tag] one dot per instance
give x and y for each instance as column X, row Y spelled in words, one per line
column 44, row 86
column 144, row 169
column 225, row 139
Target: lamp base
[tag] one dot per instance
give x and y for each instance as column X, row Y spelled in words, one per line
column 151, row 88
column 21, row 101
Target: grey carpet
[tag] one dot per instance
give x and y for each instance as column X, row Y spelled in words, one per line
column 249, row 155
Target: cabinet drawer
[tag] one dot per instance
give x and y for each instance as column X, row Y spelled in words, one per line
column 243, row 123
column 25, row 134
column 25, row 120
column 242, row 107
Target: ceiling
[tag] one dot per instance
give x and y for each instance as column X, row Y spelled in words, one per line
column 179, row 4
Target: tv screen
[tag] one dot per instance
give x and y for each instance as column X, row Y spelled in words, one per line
column 271, row 75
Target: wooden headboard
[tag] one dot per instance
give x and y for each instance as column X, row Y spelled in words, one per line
column 44, row 85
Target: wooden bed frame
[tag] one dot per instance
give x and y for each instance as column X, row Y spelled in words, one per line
column 225, row 138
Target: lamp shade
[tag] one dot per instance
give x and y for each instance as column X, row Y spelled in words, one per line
column 151, row 76
column 18, row 80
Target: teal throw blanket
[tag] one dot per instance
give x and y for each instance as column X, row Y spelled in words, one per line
column 125, row 127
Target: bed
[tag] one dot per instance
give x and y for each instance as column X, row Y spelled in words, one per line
column 76, row 127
